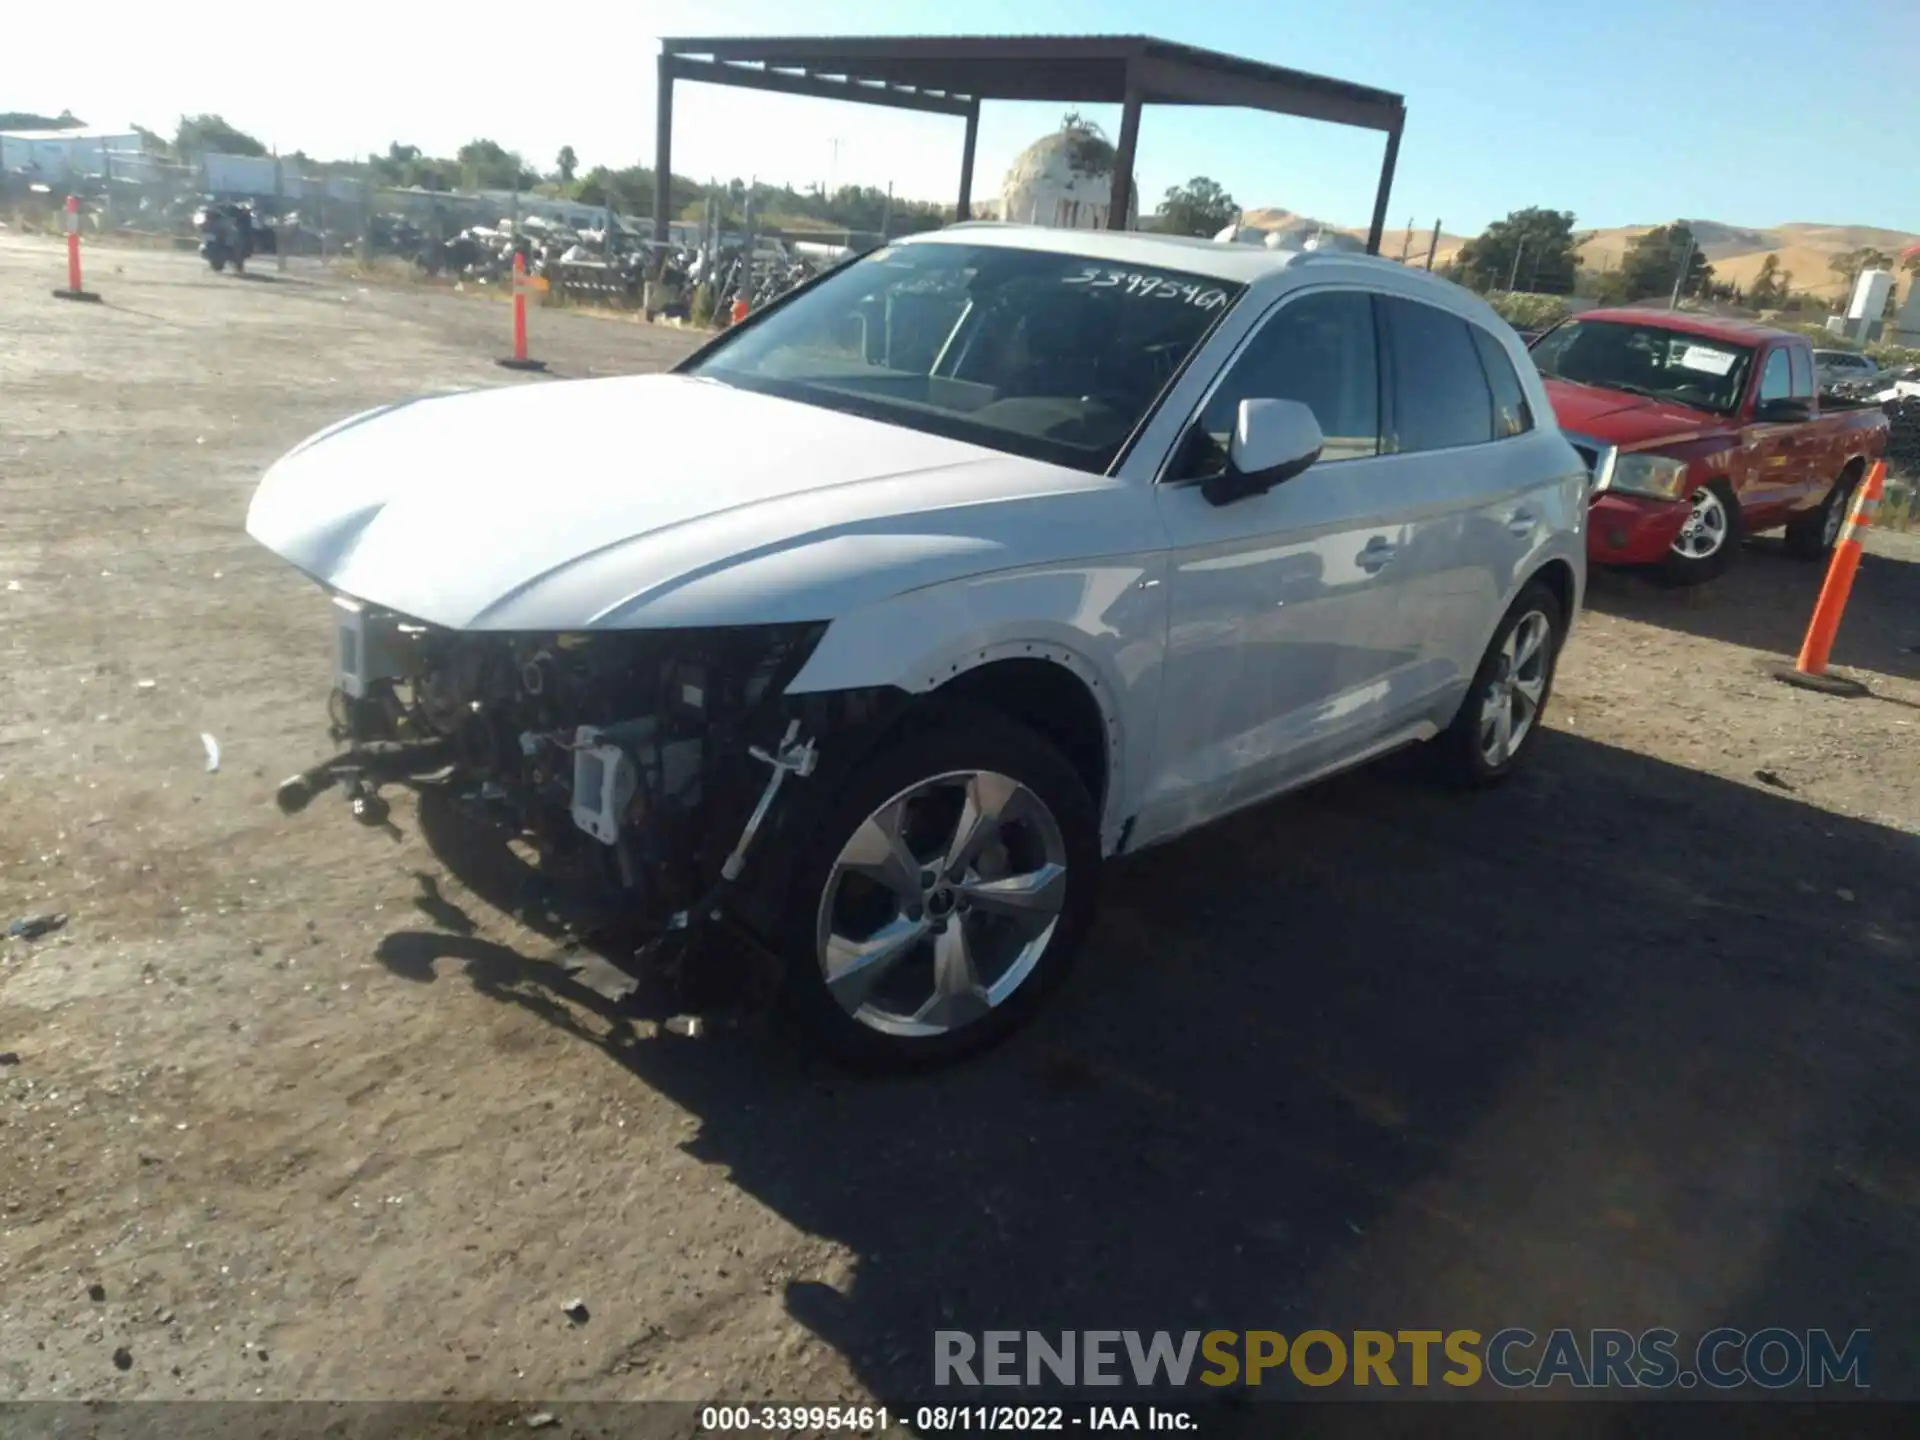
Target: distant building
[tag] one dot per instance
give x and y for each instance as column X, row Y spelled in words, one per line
column 1064, row 180
column 55, row 157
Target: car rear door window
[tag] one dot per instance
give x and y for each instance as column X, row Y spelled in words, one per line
column 1318, row 349
column 1441, row 399
column 1511, row 413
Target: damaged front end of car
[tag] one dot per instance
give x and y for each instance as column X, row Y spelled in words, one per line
column 640, row 770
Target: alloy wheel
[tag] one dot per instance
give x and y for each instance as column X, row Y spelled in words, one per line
column 1706, row 527
column 941, row 903
column 1511, row 702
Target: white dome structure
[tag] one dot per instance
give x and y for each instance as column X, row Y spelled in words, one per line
column 1065, row 180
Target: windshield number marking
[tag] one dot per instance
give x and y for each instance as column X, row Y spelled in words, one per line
column 1141, row 286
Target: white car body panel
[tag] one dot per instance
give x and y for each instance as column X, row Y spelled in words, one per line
column 1234, row 651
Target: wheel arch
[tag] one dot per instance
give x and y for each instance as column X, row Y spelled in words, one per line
column 1048, row 688
column 1558, row 575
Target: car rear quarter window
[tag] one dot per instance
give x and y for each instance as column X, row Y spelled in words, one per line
column 1511, row 413
column 1440, row 391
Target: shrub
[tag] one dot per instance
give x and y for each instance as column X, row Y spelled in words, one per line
column 1526, row 311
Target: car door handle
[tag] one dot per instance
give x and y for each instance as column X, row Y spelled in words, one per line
column 1521, row 522
column 1377, row 553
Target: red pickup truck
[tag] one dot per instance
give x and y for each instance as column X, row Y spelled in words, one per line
column 1701, row 431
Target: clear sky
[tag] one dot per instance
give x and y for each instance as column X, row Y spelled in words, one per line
column 1623, row 111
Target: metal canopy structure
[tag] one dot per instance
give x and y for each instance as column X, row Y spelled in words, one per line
column 952, row 74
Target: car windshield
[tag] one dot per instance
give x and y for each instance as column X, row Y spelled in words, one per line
column 1054, row 357
column 1646, row 360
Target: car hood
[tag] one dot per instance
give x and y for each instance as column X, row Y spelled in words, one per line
column 655, row 500
column 1632, row 422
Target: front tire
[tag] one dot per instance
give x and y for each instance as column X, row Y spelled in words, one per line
column 946, row 890
column 1705, row 545
column 1506, row 705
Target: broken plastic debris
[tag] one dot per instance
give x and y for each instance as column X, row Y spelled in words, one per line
column 213, row 751
column 147, row 684
column 32, row 927
column 13, row 584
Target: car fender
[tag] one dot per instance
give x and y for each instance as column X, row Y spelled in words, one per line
column 1104, row 621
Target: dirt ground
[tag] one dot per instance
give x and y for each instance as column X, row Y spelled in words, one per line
column 1630, row 1042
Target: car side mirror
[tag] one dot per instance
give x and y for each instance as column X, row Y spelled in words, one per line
column 1273, row 440
column 1782, row 411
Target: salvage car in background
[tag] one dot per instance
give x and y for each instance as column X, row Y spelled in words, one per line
column 1700, row 431
column 1831, row 367
column 1025, row 548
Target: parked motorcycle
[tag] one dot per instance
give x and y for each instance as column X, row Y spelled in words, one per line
column 226, row 236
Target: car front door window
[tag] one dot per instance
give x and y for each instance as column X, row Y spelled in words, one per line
column 1319, row 350
column 1776, row 381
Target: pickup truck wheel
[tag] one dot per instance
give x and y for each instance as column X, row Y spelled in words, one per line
column 1704, row 547
column 1812, row 536
column 1505, row 706
column 945, row 892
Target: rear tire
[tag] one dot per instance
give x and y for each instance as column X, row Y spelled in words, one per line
column 1706, row 544
column 1812, row 536
column 1516, row 673
column 938, row 948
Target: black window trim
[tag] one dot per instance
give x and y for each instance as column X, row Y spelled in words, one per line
column 1382, row 399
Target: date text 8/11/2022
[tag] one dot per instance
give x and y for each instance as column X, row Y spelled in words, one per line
column 943, row 1419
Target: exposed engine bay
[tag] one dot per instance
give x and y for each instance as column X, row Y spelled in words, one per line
column 639, row 765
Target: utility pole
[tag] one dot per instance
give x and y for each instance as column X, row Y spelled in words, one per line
column 886, row 217
column 1406, row 240
column 1433, row 244
column 1513, row 275
column 1680, row 280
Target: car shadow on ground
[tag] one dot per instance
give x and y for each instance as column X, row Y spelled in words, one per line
column 1765, row 599
column 1618, row 1044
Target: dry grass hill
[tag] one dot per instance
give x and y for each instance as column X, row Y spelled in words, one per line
column 1736, row 251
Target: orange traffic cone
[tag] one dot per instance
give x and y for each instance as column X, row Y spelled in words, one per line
column 518, row 360
column 1809, row 670
column 75, row 290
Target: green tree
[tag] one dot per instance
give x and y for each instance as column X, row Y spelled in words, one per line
column 27, row 120
column 1652, row 264
column 1769, row 287
column 1532, row 249
column 1847, row 266
column 486, row 165
column 212, row 135
column 565, row 163
column 1199, row 207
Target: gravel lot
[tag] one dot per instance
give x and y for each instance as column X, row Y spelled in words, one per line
column 1630, row 1042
